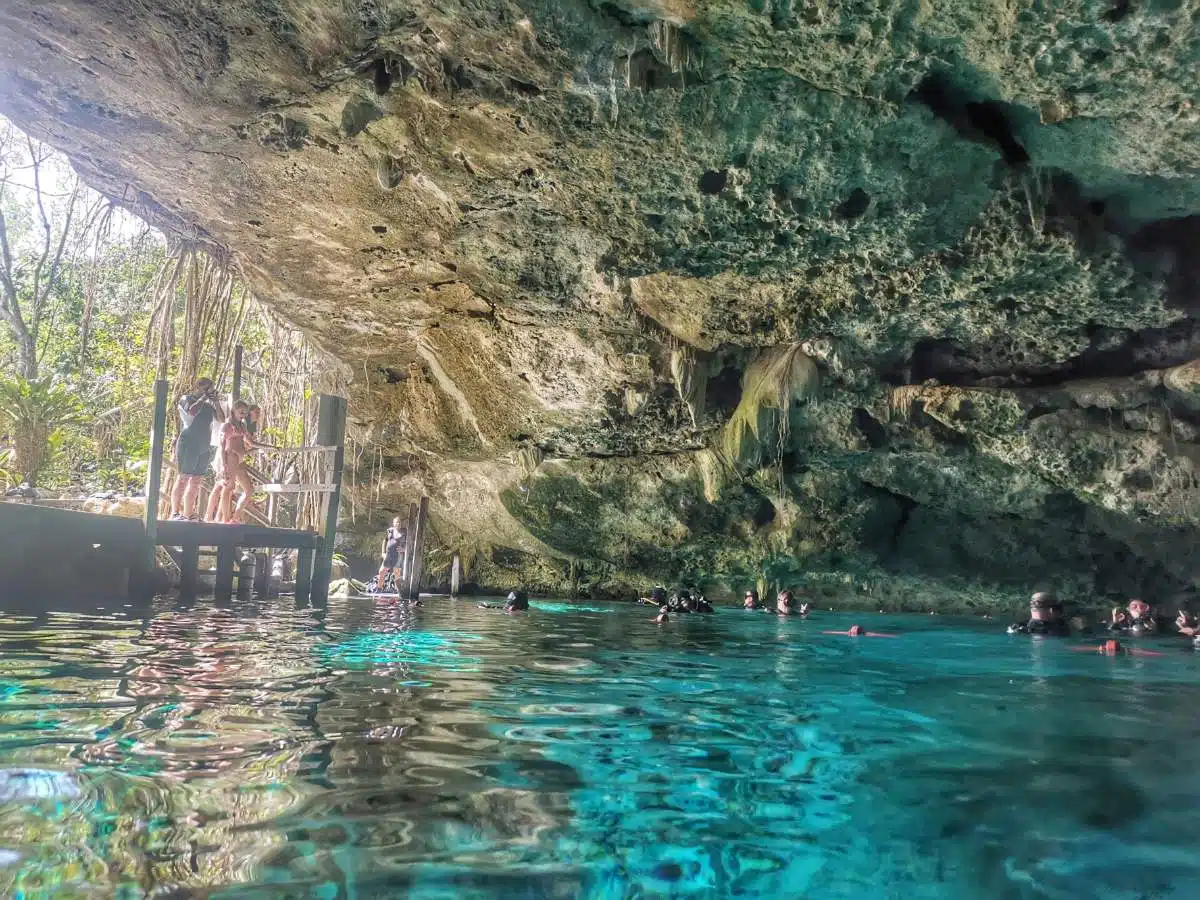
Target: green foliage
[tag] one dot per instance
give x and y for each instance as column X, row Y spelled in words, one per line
column 34, row 412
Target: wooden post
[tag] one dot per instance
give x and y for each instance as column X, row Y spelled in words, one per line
column 417, row 569
column 189, row 565
column 262, row 574
column 331, row 432
column 235, row 392
column 304, row 572
column 158, row 437
column 455, row 575
column 223, row 587
column 410, row 538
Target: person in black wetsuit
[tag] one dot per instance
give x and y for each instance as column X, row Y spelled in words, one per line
column 751, row 601
column 1045, row 617
column 658, row 597
column 700, row 604
column 1136, row 618
column 393, row 547
column 198, row 410
column 517, row 601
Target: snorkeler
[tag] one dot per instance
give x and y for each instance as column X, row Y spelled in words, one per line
column 663, row 617
column 1045, row 617
column 1136, row 618
column 751, row 601
column 517, row 601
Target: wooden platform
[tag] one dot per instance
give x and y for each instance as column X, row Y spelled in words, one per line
column 246, row 537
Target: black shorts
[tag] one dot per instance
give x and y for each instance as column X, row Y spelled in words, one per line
column 193, row 458
column 392, row 559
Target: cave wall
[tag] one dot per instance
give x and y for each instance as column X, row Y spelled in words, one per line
column 516, row 223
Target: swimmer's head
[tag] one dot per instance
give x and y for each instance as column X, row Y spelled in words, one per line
column 1045, row 607
column 516, row 600
column 856, row 631
column 785, row 600
column 751, row 601
column 1110, row 647
column 1139, row 609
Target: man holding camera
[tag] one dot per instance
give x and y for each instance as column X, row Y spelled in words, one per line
column 198, row 411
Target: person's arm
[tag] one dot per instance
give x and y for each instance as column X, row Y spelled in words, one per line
column 383, row 548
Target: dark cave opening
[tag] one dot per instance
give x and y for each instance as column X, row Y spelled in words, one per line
column 981, row 120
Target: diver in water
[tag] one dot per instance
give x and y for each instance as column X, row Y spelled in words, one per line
column 1136, row 618
column 1188, row 626
column 751, row 601
column 517, row 601
column 700, row 604
column 658, row 597
column 680, row 601
column 1045, row 617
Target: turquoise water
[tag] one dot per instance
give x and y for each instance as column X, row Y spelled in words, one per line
column 366, row 750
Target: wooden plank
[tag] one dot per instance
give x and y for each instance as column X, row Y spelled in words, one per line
column 417, row 569
column 297, row 488
column 410, row 539
column 331, row 430
column 290, row 451
column 158, row 437
column 235, row 392
column 209, row 534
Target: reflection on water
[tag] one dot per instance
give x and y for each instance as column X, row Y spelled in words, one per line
column 258, row 750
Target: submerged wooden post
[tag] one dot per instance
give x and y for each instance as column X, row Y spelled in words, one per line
column 331, row 432
column 158, row 437
column 235, row 392
column 455, row 575
column 189, row 566
column 410, row 537
column 304, row 571
column 223, row 586
column 417, row 568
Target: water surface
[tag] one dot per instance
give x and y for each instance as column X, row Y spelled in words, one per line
column 371, row 750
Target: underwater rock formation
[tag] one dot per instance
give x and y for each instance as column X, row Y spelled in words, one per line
column 558, row 243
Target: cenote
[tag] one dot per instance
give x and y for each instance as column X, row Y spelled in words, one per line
column 372, row 749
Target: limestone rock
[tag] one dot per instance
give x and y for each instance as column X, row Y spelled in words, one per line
column 508, row 218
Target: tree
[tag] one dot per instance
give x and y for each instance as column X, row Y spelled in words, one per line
column 35, row 411
column 34, row 237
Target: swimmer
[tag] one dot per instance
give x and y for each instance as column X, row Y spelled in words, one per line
column 701, row 604
column 680, row 601
column 751, row 601
column 785, row 603
column 1045, row 617
column 1113, row 647
column 663, row 616
column 803, row 610
column 517, row 601
column 1136, row 618
column 859, row 631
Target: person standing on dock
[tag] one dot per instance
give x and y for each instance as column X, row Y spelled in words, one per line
column 393, row 546
column 198, row 410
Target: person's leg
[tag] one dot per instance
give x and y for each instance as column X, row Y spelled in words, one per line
column 181, row 481
column 214, row 502
column 226, row 513
column 246, row 485
column 192, row 497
